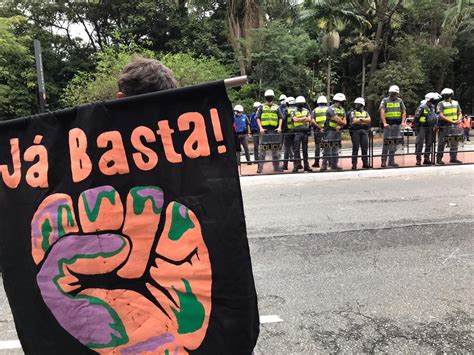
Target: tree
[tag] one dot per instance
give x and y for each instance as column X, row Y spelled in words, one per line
column 17, row 71
column 331, row 16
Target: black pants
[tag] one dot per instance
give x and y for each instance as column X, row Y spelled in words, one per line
column 244, row 142
column 256, row 139
column 424, row 137
column 360, row 138
column 445, row 131
column 318, row 136
column 288, row 142
column 300, row 141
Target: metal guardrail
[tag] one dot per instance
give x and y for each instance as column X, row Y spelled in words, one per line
column 405, row 147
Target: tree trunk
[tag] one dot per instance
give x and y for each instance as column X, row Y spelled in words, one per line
column 362, row 90
column 234, row 38
column 378, row 47
column 328, row 79
column 253, row 18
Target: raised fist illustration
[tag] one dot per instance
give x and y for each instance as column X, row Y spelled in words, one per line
column 112, row 282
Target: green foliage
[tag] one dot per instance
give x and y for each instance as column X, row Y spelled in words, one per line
column 17, row 73
column 280, row 57
column 191, row 70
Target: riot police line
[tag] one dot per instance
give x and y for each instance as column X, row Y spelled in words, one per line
column 403, row 145
column 438, row 121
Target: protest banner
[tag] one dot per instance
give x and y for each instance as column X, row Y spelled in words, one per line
column 122, row 228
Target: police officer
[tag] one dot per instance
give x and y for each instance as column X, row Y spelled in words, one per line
column 359, row 127
column 301, row 118
column 242, row 128
column 424, row 121
column 450, row 115
column 282, row 102
column 335, row 121
column 269, row 120
column 319, row 118
column 393, row 114
column 255, row 129
column 289, row 136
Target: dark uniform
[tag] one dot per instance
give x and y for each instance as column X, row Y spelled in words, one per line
column 301, row 131
column 331, row 154
column 269, row 115
column 289, row 136
column 319, row 117
column 359, row 136
column 424, row 134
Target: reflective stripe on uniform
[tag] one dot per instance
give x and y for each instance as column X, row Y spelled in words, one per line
column 341, row 113
column 450, row 111
column 393, row 110
column 299, row 114
column 269, row 116
column 320, row 115
column 289, row 121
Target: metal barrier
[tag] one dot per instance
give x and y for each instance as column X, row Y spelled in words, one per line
column 404, row 155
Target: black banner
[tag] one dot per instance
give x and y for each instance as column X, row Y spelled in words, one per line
column 122, row 228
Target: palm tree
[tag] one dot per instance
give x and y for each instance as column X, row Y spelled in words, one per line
column 331, row 16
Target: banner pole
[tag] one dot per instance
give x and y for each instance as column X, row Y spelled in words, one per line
column 237, row 81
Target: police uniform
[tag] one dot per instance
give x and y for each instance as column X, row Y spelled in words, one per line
column 289, row 136
column 242, row 125
column 359, row 136
column 330, row 154
column 394, row 110
column 255, row 133
column 424, row 134
column 451, row 111
column 319, row 116
column 301, row 131
column 269, row 115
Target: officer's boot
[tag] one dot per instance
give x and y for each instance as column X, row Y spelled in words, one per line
column 439, row 161
column 384, row 163
column 427, row 160
column 316, row 163
column 418, row 160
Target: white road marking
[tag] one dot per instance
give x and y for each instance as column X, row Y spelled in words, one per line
column 270, row 319
column 10, row 344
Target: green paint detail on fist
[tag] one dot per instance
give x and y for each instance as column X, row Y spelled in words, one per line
column 179, row 224
column 191, row 315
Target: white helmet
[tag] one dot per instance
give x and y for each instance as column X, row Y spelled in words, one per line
column 339, row 97
column 422, row 102
column 300, row 100
column 394, row 88
column 290, row 100
column 431, row 96
column 282, row 97
column 269, row 92
column 257, row 104
column 447, row 91
column 238, row 108
column 360, row 100
column 322, row 100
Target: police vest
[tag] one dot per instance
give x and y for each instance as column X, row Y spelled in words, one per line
column 393, row 112
column 269, row 116
column 341, row 113
column 360, row 115
column 450, row 110
column 320, row 115
column 289, row 121
column 303, row 113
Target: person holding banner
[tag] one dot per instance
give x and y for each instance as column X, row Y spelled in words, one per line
column 269, row 119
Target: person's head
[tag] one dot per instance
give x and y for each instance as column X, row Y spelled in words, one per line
column 431, row 98
column 144, row 75
column 359, row 103
column 300, row 101
column 282, row 99
column 290, row 101
column 322, row 101
column 447, row 94
column 256, row 105
column 269, row 95
column 339, row 99
column 238, row 110
column 393, row 91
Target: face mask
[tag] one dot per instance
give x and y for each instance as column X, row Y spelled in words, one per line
column 269, row 98
column 358, row 107
column 393, row 95
column 300, row 105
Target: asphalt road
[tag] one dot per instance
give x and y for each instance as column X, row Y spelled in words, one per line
column 367, row 261
column 358, row 262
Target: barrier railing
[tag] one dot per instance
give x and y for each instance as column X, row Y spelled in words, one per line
column 397, row 150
